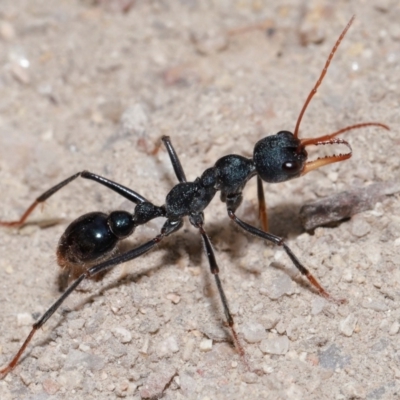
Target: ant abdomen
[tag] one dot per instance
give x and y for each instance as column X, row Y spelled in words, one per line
column 92, row 237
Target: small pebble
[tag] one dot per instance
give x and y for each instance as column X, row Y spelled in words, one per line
column 267, row 369
column 254, row 332
column 249, row 377
column 122, row 334
column 279, row 286
column 50, row 386
column 360, row 227
column 167, row 347
column 24, row 319
column 124, row 388
column 347, row 325
column 206, row 345
column 173, row 297
column 332, row 358
column 278, row 345
column 145, row 346
column 84, row 347
column 281, row 327
column 270, row 320
column 347, row 276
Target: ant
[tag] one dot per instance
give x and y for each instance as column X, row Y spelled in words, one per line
column 88, row 245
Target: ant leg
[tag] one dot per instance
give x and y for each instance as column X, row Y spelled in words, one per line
column 262, row 208
column 280, row 242
column 168, row 228
column 180, row 174
column 215, row 271
column 123, row 191
column 116, row 187
column 39, row 200
column 104, row 266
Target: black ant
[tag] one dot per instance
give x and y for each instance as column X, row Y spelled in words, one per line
column 89, row 242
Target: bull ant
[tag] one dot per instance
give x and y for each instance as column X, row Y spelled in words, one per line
column 90, row 241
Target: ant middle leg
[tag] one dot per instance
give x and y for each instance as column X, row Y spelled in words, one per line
column 280, row 242
column 129, row 194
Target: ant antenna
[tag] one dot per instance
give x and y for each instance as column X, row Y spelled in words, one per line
column 323, row 73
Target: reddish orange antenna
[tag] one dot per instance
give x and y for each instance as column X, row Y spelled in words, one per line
column 331, row 138
column 321, row 78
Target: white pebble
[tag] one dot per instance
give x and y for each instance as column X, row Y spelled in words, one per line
column 167, row 347
column 206, row 345
column 347, row 275
column 254, row 332
column 347, row 325
column 173, row 297
column 277, row 345
column 270, row 320
column 360, row 227
column 24, row 319
column 279, row 286
column 122, row 334
column 145, row 346
column 267, row 369
column 249, row 377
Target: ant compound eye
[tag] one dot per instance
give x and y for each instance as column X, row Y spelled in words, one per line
column 291, row 167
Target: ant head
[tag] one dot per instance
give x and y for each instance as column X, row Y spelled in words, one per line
column 283, row 156
column 279, row 157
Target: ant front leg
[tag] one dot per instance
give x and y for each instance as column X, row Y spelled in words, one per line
column 116, row 187
column 180, row 174
column 231, row 206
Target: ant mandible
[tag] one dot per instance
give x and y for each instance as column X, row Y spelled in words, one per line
column 89, row 242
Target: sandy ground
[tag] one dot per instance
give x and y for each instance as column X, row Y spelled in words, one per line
column 93, row 85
